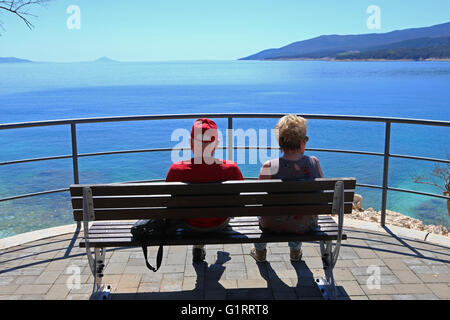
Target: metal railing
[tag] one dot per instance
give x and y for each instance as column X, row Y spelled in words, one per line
column 230, row 147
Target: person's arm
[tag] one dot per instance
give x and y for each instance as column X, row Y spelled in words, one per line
column 319, row 168
column 172, row 175
column 265, row 173
column 238, row 174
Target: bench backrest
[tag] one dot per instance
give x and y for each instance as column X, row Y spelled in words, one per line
column 223, row 199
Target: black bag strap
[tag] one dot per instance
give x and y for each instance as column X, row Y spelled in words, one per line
column 159, row 257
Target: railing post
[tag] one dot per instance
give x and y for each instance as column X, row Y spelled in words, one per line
column 387, row 144
column 76, row 179
column 230, row 139
column 73, row 130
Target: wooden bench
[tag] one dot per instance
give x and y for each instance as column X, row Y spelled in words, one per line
column 113, row 206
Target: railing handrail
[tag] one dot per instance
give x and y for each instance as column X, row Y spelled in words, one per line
column 220, row 115
column 388, row 121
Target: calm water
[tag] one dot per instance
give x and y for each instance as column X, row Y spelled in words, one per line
column 44, row 91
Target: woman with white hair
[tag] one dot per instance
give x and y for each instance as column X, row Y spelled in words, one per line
column 293, row 165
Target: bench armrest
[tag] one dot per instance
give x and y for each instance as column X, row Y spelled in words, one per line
column 88, row 215
column 338, row 208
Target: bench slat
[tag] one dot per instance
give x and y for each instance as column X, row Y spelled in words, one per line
column 228, row 187
column 185, row 213
column 102, row 226
column 246, row 230
column 210, row 201
column 100, row 237
column 128, row 242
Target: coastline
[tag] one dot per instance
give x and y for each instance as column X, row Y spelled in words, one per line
column 397, row 219
column 357, row 60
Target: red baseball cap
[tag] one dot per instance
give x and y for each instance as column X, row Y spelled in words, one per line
column 204, row 130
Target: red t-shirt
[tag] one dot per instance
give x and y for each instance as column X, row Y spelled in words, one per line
column 188, row 171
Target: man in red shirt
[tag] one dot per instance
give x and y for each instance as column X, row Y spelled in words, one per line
column 203, row 167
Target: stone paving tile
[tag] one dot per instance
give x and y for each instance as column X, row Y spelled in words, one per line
column 407, row 276
column 345, row 263
column 383, row 280
column 313, row 263
column 83, row 289
column 57, row 292
column 380, row 297
column 146, row 287
column 59, row 265
column 412, row 288
column 245, row 283
column 346, row 253
column 170, row 284
column 233, row 249
column 369, row 262
column 434, row 278
column 382, row 289
column 366, row 271
column 441, row 290
column 426, row 296
column 38, row 289
column 5, row 280
column 47, row 277
column 175, row 258
column 115, row 267
column 343, row 274
column 358, row 298
column 365, row 253
column 64, row 279
column 403, row 297
column 350, row 288
column 130, row 280
column 421, row 269
column 10, row 297
column 8, row 289
column 24, row 271
column 395, row 264
column 32, row 297
column 414, row 297
column 120, row 256
column 413, row 261
column 136, row 269
column 440, row 269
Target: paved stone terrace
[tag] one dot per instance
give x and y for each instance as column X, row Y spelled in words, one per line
column 409, row 269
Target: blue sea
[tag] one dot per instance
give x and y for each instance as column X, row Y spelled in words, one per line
column 49, row 91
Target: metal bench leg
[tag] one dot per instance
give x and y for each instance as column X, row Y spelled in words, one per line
column 96, row 262
column 100, row 291
column 329, row 256
column 326, row 285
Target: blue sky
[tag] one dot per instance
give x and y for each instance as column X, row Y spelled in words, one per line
column 159, row 30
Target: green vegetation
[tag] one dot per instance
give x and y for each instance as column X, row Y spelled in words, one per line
column 441, row 52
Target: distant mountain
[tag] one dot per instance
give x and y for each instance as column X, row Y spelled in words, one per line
column 333, row 46
column 104, row 59
column 14, row 60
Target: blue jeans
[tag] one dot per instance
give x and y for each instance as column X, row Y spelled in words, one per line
column 292, row 244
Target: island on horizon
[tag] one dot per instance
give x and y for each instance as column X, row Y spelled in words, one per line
column 19, row 60
column 14, row 60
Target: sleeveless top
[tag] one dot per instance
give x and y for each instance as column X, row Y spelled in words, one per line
column 287, row 170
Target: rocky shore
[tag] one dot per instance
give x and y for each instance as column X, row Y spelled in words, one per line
column 393, row 218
